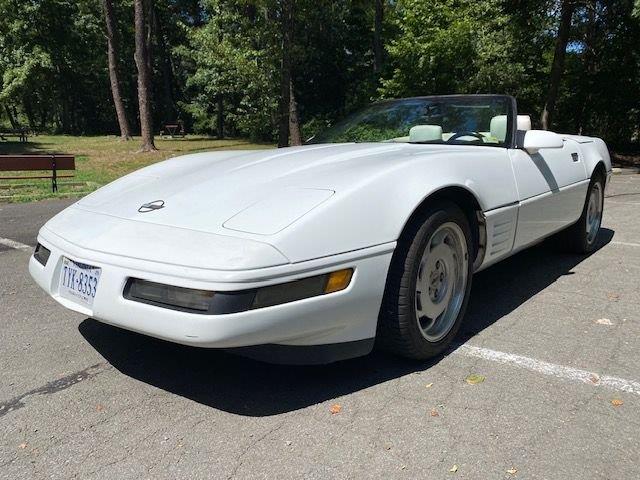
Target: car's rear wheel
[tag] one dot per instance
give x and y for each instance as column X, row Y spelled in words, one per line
column 581, row 236
column 428, row 284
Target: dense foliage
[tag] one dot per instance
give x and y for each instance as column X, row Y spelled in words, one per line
column 217, row 64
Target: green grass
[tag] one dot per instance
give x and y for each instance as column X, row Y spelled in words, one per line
column 99, row 160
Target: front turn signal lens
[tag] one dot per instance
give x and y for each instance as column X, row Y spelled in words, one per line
column 301, row 289
column 207, row 302
column 338, row 280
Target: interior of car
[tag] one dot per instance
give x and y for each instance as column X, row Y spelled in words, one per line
column 496, row 134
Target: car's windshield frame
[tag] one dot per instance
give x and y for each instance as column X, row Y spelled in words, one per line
column 510, row 138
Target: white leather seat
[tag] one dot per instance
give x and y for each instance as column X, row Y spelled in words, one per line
column 498, row 125
column 425, row 133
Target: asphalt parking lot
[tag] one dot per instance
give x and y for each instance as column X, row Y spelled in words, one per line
column 555, row 337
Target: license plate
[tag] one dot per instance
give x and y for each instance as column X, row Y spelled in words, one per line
column 78, row 282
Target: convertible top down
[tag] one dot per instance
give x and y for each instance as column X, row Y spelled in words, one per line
column 370, row 233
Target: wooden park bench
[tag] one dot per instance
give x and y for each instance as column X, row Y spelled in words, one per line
column 33, row 163
column 21, row 133
column 173, row 129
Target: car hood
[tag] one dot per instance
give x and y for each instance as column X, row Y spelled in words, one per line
column 257, row 192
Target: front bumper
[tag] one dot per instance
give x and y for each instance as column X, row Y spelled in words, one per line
column 346, row 316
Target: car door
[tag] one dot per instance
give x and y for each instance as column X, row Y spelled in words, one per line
column 552, row 185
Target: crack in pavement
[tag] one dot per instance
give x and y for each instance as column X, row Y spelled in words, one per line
column 54, row 386
column 240, row 457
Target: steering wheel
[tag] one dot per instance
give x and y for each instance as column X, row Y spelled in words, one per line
column 469, row 133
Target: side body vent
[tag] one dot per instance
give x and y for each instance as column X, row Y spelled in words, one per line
column 501, row 230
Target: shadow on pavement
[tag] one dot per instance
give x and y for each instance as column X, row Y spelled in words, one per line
column 505, row 286
column 247, row 387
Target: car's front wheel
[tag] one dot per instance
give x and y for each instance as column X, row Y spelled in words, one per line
column 428, row 284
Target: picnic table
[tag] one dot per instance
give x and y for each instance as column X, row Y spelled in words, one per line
column 173, row 129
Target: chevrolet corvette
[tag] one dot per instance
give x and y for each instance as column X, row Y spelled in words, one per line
column 369, row 234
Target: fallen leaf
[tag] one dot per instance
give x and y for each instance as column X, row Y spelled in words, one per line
column 474, row 379
column 616, row 402
column 604, row 321
column 22, row 445
column 594, row 378
column 99, row 408
column 613, row 296
column 429, row 385
column 434, row 413
column 454, row 469
column 335, row 409
column 512, row 471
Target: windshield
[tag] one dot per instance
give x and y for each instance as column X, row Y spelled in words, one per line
column 475, row 120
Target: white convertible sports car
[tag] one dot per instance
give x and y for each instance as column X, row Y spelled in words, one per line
column 370, row 233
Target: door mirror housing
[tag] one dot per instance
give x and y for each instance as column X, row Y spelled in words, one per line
column 535, row 140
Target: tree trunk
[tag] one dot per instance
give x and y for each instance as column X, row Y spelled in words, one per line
column 294, row 123
column 144, row 77
column 589, row 61
column 286, row 25
column 167, row 71
column 220, row 119
column 149, row 25
column 12, row 119
column 378, row 51
column 112, row 55
column 557, row 67
column 28, row 111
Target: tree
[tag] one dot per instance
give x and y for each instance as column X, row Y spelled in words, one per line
column 52, row 65
column 286, row 32
column 232, row 65
column 112, row 55
column 143, row 63
column 458, row 47
column 294, row 123
column 557, row 66
column 259, row 69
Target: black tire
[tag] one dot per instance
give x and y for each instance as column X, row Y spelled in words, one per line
column 576, row 238
column 398, row 327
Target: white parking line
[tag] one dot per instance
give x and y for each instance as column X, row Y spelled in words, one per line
column 551, row 369
column 627, row 244
column 623, row 203
column 7, row 242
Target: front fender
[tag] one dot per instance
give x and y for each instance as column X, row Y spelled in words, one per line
column 375, row 210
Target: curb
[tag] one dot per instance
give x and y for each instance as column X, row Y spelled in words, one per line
column 625, row 170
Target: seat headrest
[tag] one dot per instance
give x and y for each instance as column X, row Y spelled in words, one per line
column 498, row 126
column 524, row 122
column 425, row 133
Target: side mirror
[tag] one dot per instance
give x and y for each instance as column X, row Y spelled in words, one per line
column 535, row 140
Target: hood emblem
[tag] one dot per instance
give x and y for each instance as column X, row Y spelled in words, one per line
column 151, row 206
